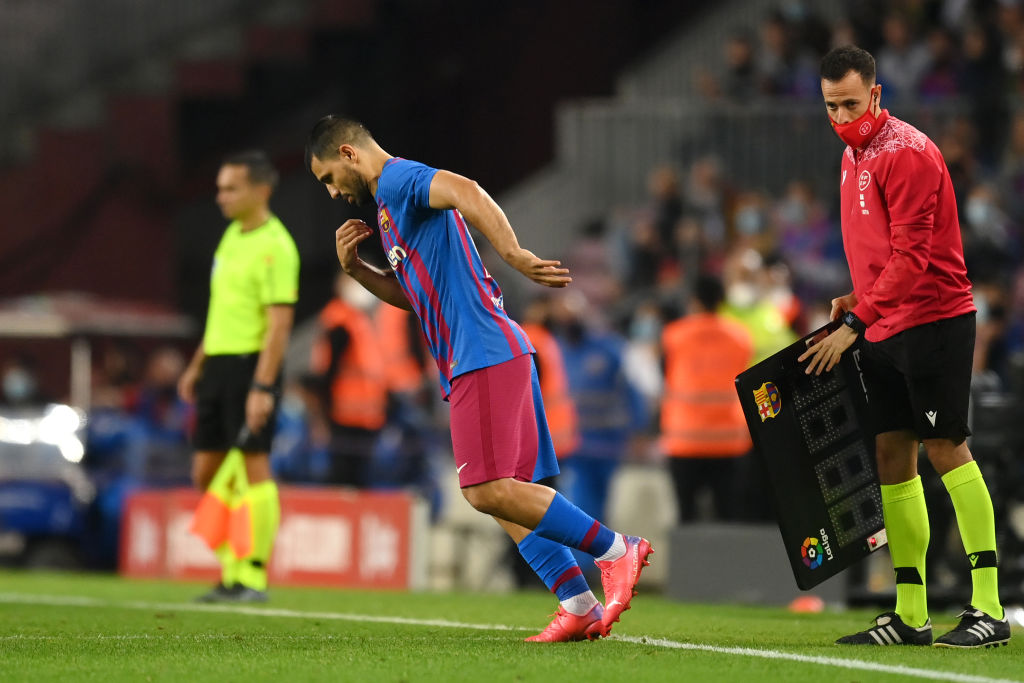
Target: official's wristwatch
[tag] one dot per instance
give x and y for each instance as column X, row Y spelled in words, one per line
column 851, row 320
column 265, row 388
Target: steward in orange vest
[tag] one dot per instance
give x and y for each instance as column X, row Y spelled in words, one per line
column 559, row 407
column 702, row 424
column 348, row 358
column 403, row 368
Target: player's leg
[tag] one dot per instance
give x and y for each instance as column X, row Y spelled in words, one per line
column 216, row 476
column 685, row 483
column 941, row 400
column 263, row 510
column 216, row 472
column 903, row 504
column 579, row 614
column 501, row 405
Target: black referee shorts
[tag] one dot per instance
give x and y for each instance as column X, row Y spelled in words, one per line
column 221, row 392
column 920, row 379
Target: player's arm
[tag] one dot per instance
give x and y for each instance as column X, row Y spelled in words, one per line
column 911, row 197
column 381, row 283
column 260, row 401
column 188, row 379
column 451, row 191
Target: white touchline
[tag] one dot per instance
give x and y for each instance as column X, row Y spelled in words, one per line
column 838, row 662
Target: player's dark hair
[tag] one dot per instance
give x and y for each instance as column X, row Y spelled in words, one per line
column 709, row 291
column 331, row 132
column 844, row 59
column 257, row 163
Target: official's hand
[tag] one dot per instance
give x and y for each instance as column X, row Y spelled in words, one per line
column 547, row 273
column 842, row 304
column 258, row 406
column 826, row 353
column 347, row 239
column 187, row 384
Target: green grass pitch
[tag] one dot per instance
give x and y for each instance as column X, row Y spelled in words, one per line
column 67, row 627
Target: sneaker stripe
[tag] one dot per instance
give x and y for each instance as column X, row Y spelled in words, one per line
column 878, row 638
column 976, row 632
column 988, row 627
column 895, row 635
column 885, row 636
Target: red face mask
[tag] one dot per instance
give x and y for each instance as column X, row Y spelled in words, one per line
column 856, row 133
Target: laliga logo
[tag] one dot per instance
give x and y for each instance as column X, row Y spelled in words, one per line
column 813, row 552
column 810, row 553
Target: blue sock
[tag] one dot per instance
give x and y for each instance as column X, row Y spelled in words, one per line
column 555, row 566
column 566, row 524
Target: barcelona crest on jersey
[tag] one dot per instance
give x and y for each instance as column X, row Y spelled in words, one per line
column 384, row 219
column 769, row 402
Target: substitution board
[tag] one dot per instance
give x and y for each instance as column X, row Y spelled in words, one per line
column 812, row 432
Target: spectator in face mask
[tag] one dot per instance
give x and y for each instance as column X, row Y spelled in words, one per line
column 746, row 303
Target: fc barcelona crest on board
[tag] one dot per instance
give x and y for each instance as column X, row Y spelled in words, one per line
column 769, row 403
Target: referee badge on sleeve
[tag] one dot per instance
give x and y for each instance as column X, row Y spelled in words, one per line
column 769, row 403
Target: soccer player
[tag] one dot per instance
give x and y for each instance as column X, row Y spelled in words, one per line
column 499, row 433
column 234, row 376
column 912, row 312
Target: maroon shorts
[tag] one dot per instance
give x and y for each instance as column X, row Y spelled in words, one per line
column 498, row 426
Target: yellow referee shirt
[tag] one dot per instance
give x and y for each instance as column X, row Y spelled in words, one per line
column 251, row 270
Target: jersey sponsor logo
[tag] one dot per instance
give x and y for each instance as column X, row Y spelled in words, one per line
column 458, row 470
column 396, row 255
column 931, row 415
column 769, row 401
column 384, row 219
column 863, row 180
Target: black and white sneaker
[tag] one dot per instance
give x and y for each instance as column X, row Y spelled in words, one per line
column 976, row 629
column 219, row 593
column 889, row 629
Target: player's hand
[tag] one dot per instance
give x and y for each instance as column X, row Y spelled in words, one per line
column 825, row 354
column 258, row 406
column 187, row 384
column 347, row 239
column 547, row 273
column 842, row 304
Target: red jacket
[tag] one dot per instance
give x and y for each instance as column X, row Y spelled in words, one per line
column 901, row 232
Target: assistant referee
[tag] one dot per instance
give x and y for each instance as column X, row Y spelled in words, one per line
column 912, row 306
column 234, row 377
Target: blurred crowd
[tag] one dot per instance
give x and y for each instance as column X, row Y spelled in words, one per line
column 757, row 270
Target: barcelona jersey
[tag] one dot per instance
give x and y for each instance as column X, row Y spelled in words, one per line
column 459, row 304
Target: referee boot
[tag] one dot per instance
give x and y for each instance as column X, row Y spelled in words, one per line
column 889, row 629
column 219, row 593
column 976, row 629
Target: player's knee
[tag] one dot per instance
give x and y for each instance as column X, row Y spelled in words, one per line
column 489, row 498
column 200, row 479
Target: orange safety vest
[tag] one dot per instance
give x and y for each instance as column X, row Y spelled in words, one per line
column 701, row 415
column 559, row 407
column 403, row 373
column 358, row 388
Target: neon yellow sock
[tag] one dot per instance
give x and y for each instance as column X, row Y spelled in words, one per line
column 976, row 520
column 264, row 515
column 906, row 524
column 228, row 563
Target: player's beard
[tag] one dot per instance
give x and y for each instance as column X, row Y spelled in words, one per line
column 360, row 189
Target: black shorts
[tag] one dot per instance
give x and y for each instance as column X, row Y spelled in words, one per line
column 920, row 379
column 221, row 393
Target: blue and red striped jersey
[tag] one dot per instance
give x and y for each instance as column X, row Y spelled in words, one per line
column 459, row 304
